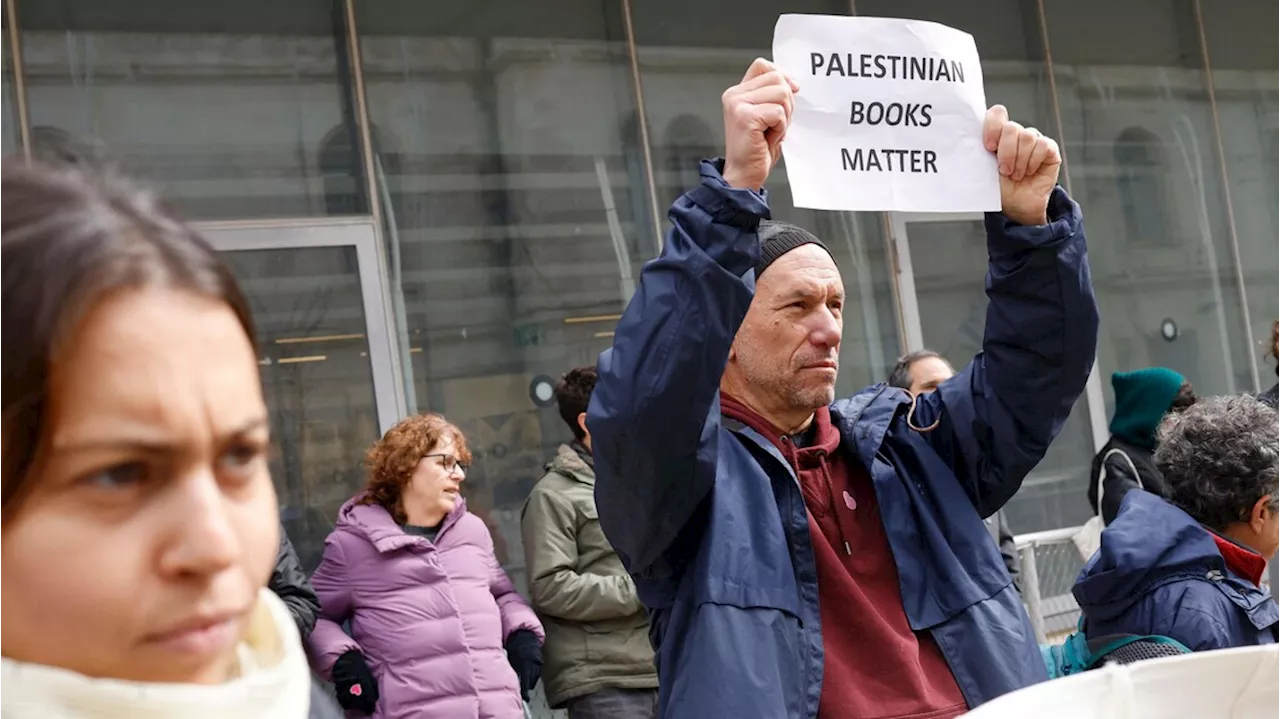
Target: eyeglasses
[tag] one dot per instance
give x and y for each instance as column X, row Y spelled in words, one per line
column 450, row 462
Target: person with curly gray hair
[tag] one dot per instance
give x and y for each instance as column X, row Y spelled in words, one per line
column 1189, row 568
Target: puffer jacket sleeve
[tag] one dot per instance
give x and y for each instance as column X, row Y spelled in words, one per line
column 289, row 582
column 328, row 641
column 516, row 614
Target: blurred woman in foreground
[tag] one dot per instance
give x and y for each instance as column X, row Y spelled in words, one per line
column 139, row 519
column 437, row 630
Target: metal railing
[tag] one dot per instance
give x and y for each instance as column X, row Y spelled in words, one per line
column 1050, row 564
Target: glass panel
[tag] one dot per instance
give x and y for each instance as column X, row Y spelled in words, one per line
column 236, row 109
column 1242, row 54
column 684, row 68
column 508, row 144
column 9, row 121
column 317, row 380
column 1007, row 33
column 949, row 260
column 1142, row 153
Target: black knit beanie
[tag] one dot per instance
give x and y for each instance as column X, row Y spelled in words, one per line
column 779, row 238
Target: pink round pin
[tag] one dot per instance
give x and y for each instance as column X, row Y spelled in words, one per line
column 849, row 501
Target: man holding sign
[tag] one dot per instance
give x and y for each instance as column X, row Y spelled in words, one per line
column 802, row 557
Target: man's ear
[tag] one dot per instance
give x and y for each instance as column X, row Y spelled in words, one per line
column 1260, row 513
column 582, row 424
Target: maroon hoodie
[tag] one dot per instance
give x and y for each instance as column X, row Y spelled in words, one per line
column 874, row 664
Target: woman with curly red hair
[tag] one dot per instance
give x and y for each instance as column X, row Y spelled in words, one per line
column 430, row 610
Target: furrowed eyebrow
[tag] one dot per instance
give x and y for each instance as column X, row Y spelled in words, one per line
column 151, row 445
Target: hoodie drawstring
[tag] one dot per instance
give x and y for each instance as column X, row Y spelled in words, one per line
column 835, row 508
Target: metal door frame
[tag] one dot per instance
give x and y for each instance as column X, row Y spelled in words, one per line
column 359, row 233
column 910, row 304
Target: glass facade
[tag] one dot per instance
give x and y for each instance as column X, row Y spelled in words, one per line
column 512, row 164
column 230, row 109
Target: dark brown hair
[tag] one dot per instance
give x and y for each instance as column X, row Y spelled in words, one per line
column 1185, row 397
column 69, row 240
column 392, row 459
column 573, row 394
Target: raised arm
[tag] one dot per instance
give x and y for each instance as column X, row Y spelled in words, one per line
column 654, row 412
column 997, row 417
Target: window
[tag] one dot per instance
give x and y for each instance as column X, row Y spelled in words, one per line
column 1242, row 53
column 1143, row 161
column 1141, row 172
column 518, row 219
column 220, row 106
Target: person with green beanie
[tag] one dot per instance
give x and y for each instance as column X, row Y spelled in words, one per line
column 1143, row 398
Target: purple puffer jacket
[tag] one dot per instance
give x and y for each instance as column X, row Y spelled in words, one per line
column 430, row 618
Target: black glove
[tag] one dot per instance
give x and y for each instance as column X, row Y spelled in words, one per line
column 354, row 684
column 524, row 651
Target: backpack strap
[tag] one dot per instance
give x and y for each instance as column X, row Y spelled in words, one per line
column 1112, row 647
column 1078, row 654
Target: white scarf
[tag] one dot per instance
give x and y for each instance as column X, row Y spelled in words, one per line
column 274, row 682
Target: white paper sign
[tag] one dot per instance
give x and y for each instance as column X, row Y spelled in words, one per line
column 888, row 117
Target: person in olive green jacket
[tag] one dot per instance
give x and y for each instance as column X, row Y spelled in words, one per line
column 597, row 660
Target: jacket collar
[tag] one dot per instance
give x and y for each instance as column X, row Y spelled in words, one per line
column 1240, row 559
column 274, row 681
column 377, row 525
column 570, row 463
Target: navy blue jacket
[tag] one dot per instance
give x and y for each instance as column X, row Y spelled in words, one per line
column 1160, row 572
column 708, row 516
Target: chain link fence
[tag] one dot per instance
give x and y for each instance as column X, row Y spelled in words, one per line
column 1050, row 565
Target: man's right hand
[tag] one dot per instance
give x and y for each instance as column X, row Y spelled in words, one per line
column 757, row 112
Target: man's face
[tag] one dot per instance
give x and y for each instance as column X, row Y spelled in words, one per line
column 788, row 347
column 928, row 373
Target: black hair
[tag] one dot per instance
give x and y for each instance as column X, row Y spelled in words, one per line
column 573, row 394
column 1185, row 397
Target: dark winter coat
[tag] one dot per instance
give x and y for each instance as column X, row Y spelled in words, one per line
column 1270, row 396
column 1119, row 478
column 710, row 520
column 289, row 582
column 1160, row 572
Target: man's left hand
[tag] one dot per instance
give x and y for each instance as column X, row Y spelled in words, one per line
column 1029, row 163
